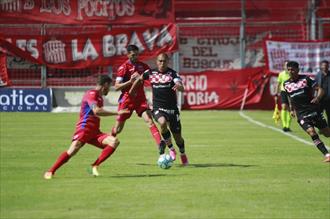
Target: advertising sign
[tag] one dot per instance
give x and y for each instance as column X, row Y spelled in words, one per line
column 25, row 100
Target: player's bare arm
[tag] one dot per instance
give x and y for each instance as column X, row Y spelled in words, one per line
column 122, row 85
column 319, row 95
column 178, row 86
column 291, row 108
column 100, row 111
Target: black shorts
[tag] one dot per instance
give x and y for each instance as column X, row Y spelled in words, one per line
column 314, row 119
column 284, row 98
column 171, row 116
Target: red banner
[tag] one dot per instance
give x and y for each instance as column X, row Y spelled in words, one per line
column 87, row 11
column 223, row 90
column 4, row 80
column 90, row 50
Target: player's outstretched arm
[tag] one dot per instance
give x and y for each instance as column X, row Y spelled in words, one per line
column 100, row 111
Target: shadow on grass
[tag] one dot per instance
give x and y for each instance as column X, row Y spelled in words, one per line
column 138, row 175
column 205, row 165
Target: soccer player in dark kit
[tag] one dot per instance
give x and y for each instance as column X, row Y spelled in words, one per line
column 165, row 82
column 305, row 106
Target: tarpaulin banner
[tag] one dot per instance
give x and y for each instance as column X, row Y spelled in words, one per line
column 87, row 11
column 223, row 89
column 307, row 53
column 217, row 48
column 90, row 50
column 25, row 100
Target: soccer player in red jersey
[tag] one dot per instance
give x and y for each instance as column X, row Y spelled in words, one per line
column 88, row 128
column 127, row 73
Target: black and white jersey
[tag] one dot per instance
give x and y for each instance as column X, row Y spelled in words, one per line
column 163, row 96
column 300, row 92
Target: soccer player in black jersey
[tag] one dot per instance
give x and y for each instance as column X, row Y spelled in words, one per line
column 305, row 105
column 165, row 82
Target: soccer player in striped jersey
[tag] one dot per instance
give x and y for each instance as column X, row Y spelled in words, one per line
column 165, row 82
column 305, row 106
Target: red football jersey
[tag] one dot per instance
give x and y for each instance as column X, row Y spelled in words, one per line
column 124, row 74
column 87, row 119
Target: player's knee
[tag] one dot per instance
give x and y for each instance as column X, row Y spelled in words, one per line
column 163, row 126
column 311, row 132
column 116, row 142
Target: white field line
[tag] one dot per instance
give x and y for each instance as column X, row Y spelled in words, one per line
column 241, row 113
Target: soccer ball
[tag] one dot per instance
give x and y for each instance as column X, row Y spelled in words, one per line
column 165, row 161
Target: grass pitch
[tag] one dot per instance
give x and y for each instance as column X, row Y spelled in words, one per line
column 237, row 170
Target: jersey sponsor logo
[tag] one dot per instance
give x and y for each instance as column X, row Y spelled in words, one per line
column 160, row 78
column 293, row 86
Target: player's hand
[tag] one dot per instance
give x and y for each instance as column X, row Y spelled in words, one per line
column 123, row 111
column 293, row 113
column 134, row 76
column 315, row 100
column 177, row 87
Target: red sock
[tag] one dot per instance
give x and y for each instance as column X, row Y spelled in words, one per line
column 155, row 134
column 113, row 132
column 106, row 152
column 62, row 159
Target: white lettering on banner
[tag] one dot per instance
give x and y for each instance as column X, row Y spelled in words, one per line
column 192, row 82
column 150, row 38
column 10, row 5
column 109, row 48
column 20, row 108
column 164, row 38
column 196, row 90
column 57, row 51
column 19, row 99
column 28, row 45
column 28, row 5
column 307, row 54
column 116, row 45
column 105, row 8
column 136, row 41
column 200, row 98
column 88, row 51
column 56, row 7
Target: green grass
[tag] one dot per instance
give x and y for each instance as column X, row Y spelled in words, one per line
column 238, row 170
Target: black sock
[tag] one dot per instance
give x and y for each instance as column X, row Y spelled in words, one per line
column 319, row 144
column 162, row 147
column 167, row 138
column 181, row 147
